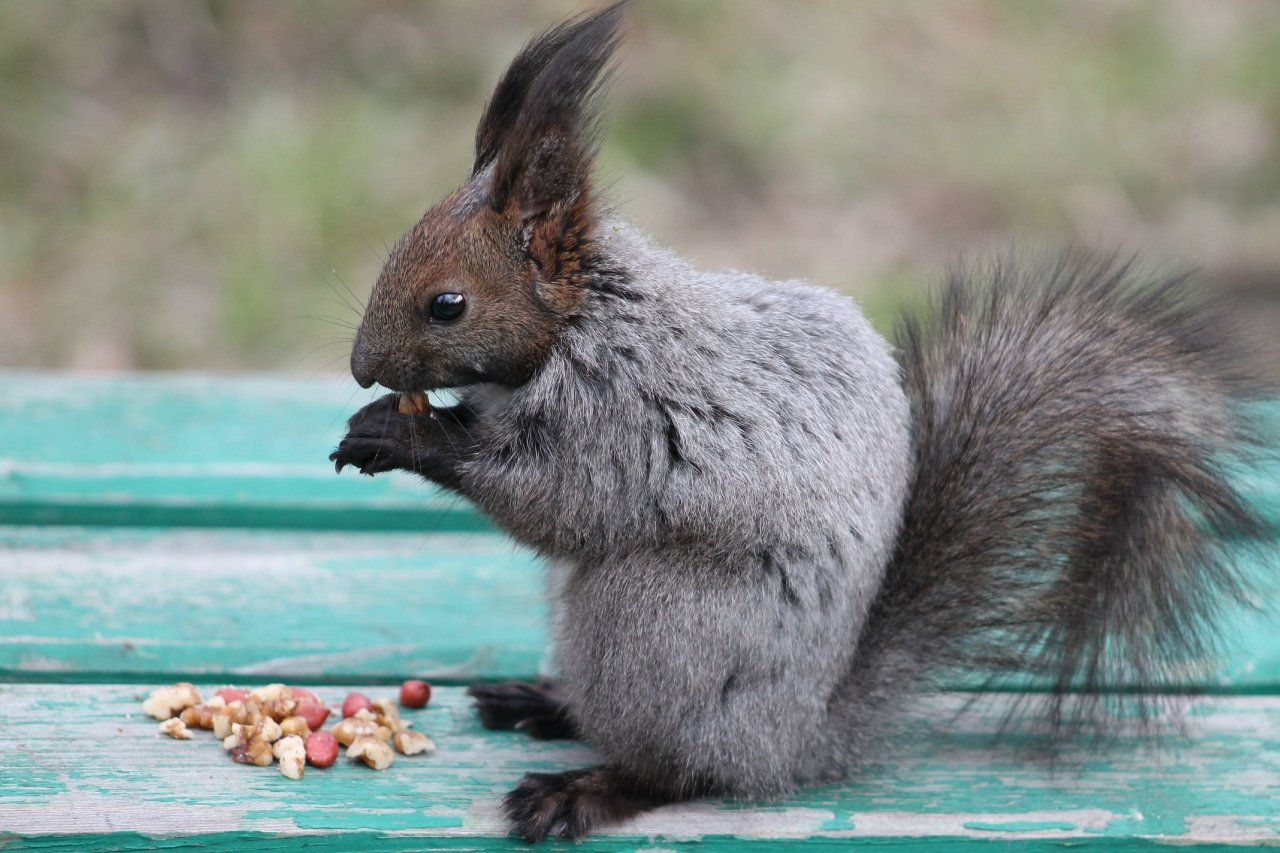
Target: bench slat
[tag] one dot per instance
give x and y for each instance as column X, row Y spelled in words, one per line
column 200, row 450
column 76, row 603
column 193, row 450
column 82, row 607
column 93, row 774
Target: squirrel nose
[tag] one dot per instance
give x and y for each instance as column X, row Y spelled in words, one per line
column 363, row 366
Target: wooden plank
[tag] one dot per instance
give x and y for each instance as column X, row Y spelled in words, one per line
column 81, row 603
column 209, row 451
column 249, row 604
column 193, row 450
column 81, row 768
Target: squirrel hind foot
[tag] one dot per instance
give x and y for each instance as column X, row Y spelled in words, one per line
column 570, row 805
column 537, row 709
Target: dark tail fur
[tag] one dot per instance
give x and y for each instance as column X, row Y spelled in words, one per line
column 1071, row 520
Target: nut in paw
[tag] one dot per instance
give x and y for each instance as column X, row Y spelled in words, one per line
column 379, row 438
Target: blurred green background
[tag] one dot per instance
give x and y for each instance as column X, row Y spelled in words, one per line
column 190, row 184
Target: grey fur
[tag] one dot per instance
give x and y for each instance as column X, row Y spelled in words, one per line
column 718, row 468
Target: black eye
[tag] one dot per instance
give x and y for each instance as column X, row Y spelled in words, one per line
column 448, row 306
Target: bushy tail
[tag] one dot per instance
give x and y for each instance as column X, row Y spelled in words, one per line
column 1071, row 520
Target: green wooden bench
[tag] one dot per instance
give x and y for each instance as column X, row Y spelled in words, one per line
column 164, row 528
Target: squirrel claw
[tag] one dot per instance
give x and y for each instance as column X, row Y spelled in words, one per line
column 376, row 440
column 370, row 456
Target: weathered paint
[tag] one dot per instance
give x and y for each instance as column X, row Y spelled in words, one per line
column 83, row 762
column 193, row 450
column 171, row 604
column 97, row 603
column 80, row 769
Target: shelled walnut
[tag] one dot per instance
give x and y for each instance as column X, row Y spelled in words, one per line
column 167, row 701
column 175, row 728
column 291, row 754
column 372, row 752
column 411, row 743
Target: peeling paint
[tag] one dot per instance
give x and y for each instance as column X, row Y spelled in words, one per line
column 81, row 763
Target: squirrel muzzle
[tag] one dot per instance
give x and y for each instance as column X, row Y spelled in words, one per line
column 364, row 367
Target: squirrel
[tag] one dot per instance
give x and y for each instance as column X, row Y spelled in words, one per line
column 766, row 529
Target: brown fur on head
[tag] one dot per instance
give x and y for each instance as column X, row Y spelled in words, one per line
column 515, row 241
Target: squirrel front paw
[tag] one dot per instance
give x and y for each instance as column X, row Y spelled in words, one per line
column 379, row 438
column 433, row 442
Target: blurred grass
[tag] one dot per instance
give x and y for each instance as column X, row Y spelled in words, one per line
column 190, row 184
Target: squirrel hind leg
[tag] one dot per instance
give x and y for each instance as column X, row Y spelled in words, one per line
column 535, row 708
column 570, row 805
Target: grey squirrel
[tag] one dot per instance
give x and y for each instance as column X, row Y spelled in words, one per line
column 766, row 529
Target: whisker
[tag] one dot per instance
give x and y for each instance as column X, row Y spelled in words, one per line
column 298, row 358
column 324, row 366
column 354, row 307
column 360, row 303
column 378, row 225
column 321, row 318
column 347, row 405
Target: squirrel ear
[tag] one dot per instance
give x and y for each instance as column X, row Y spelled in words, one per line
column 503, row 107
column 539, row 130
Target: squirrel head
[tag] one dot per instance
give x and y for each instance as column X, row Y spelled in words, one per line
column 480, row 289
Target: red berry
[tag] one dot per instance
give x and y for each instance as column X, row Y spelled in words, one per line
column 355, row 702
column 302, row 694
column 415, row 694
column 313, row 712
column 322, row 749
column 233, row 694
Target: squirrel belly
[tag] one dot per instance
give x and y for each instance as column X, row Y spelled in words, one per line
column 718, row 464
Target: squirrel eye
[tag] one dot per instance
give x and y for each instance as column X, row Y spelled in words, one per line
column 448, row 306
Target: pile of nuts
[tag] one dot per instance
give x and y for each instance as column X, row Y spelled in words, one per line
column 276, row 723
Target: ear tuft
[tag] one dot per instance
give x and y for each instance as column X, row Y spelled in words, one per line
column 503, row 108
column 539, row 129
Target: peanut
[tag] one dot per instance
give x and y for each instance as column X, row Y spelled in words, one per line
column 313, row 712
column 414, row 403
column 355, row 702
column 415, row 694
column 322, row 749
column 302, row 694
